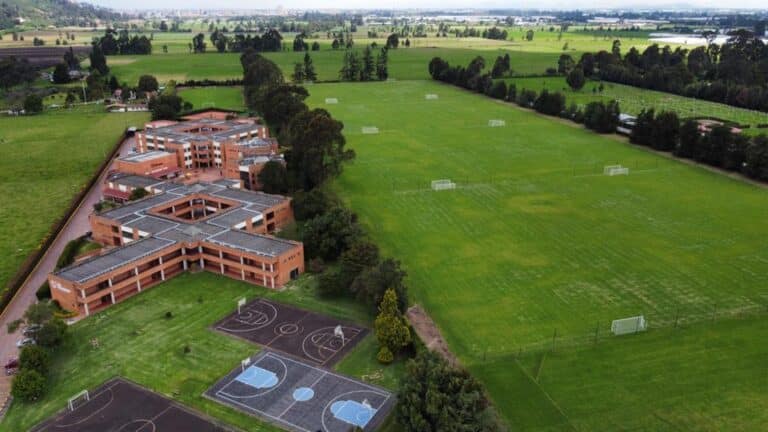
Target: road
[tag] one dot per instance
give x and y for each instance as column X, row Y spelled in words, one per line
column 76, row 227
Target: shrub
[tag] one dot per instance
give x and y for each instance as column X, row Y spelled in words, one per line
column 35, row 358
column 51, row 334
column 28, row 385
column 187, row 349
column 44, row 292
column 168, row 315
column 385, row 355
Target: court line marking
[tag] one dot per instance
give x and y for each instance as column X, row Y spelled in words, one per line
column 279, row 383
column 378, row 408
column 111, row 399
column 311, row 386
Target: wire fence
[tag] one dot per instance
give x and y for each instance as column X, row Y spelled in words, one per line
column 669, row 318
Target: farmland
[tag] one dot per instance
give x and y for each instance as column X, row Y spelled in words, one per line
column 536, row 240
column 47, row 161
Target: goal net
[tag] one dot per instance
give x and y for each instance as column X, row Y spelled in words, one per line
column 496, row 123
column 331, row 101
column 370, row 130
column 629, row 325
column 612, row 170
column 77, row 400
column 443, row 184
column 431, row 96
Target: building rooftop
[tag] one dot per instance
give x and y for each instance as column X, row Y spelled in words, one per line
column 134, row 181
column 159, row 231
column 146, row 156
column 115, row 258
column 204, row 129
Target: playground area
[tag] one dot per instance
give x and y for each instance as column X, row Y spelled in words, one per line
column 300, row 397
column 315, row 338
column 119, row 405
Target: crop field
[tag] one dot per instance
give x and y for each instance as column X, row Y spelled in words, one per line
column 46, row 162
column 136, row 341
column 536, row 242
column 219, row 97
column 632, row 100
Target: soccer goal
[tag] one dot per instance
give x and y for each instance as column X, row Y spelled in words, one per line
column 496, row 123
column 78, row 399
column 331, row 101
column 431, row 96
column 612, row 170
column 370, row 130
column 629, row 325
column 443, row 184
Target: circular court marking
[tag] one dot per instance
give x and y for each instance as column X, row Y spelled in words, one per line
column 322, row 344
column 303, row 394
column 93, row 402
column 253, row 317
column 139, row 424
column 287, row 329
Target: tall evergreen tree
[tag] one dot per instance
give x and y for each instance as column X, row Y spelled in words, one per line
column 309, row 68
column 368, row 68
column 382, row 71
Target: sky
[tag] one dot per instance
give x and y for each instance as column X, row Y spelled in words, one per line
column 410, row 4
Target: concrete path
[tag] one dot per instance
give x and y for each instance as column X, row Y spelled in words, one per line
column 76, row 227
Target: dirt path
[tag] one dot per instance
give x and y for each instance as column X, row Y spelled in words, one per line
column 75, row 227
column 427, row 330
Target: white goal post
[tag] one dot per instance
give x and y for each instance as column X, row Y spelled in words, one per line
column 443, row 184
column 244, row 363
column 240, row 304
column 82, row 395
column 331, row 101
column 612, row 170
column 431, row 96
column 496, row 123
column 370, row 130
column 629, row 325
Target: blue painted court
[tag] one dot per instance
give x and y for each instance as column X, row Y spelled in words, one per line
column 353, row 412
column 300, row 397
column 257, row 377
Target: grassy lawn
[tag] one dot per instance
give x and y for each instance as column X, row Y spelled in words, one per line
column 535, row 239
column 220, row 97
column 136, row 341
column 634, row 99
column 47, row 159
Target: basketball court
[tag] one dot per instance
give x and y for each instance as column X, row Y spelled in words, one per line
column 119, row 405
column 301, row 397
column 315, row 338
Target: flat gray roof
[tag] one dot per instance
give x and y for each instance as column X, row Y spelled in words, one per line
column 135, row 181
column 141, row 157
column 234, row 217
column 250, row 197
column 254, row 243
column 115, row 258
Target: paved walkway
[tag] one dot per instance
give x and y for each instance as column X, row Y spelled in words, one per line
column 429, row 333
column 76, row 227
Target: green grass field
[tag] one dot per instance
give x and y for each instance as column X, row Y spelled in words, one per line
column 137, row 342
column 48, row 158
column 220, row 97
column 632, row 100
column 536, row 239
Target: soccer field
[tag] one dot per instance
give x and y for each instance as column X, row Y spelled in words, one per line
column 536, row 241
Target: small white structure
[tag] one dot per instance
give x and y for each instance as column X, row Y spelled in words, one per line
column 630, row 325
column 82, row 396
column 496, row 123
column 612, row 170
column 443, row 184
column 331, row 101
column 431, row 96
column 370, row 130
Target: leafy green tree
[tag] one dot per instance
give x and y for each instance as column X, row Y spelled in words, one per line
column 501, row 67
column 261, row 75
column 137, row 194
column 33, row 104
column 71, row 60
column 165, row 106
column 61, row 74
column 690, row 136
column 529, row 35
column 329, row 234
column 435, row 397
column 355, row 259
column 51, row 334
column 350, row 70
column 148, row 83
column 369, row 286
column 316, row 147
column 309, row 68
column 281, row 104
column 498, row 90
column 330, row 283
column 70, row 100
column 382, row 71
column 393, row 41
column 390, row 326
column 28, row 385
column 642, row 132
column 95, row 85
column 666, row 131
column 98, row 60
column 273, row 178
column 33, row 357
column 315, row 46
column 565, row 64
column 368, row 68
column 298, row 73
column 575, row 79
column 307, row 205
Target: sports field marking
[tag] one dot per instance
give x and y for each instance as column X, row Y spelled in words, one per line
column 93, row 400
